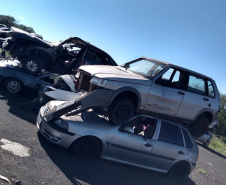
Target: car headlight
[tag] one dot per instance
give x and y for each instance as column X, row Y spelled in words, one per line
column 61, row 123
column 98, row 81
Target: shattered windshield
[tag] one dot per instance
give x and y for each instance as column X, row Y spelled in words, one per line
column 147, row 68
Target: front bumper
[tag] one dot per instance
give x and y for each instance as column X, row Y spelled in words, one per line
column 54, row 134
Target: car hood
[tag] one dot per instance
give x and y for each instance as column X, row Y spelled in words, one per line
column 10, row 63
column 115, row 73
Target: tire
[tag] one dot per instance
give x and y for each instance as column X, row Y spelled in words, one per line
column 32, row 65
column 120, row 111
column 199, row 127
column 206, row 144
column 179, row 170
column 13, row 86
column 86, row 147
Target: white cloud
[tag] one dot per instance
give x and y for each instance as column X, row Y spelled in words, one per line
column 22, row 17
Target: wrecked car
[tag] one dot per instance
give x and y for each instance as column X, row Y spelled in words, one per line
column 36, row 54
column 146, row 85
column 205, row 139
column 15, row 81
column 143, row 142
column 3, row 26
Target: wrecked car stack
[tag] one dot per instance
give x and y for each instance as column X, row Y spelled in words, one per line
column 160, row 89
column 144, row 87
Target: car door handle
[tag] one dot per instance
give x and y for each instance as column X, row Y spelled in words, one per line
column 180, row 152
column 180, row 93
column 148, row 145
column 205, row 99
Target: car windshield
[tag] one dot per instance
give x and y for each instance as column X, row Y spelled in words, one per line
column 144, row 67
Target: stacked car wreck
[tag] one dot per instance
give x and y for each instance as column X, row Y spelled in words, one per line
column 36, row 54
column 97, row 109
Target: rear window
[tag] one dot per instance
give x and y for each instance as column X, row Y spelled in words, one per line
column 170, row 133
column 188, row 141
column 196, row 85
column 210, row 89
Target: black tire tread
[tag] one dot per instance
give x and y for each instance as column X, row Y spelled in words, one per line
column 112, row 111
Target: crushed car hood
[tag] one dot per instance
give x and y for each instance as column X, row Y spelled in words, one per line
column 115, row 74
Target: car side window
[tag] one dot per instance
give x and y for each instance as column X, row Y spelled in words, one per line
column 144, row 126
column 173, row 78
column 170, row 133
column 196, row 85
column 93, row 58
column 188, row 141
column 211, row 92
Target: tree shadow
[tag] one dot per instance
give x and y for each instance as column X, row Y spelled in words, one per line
column 211, row 150
column 14, row 100
column 102, row 172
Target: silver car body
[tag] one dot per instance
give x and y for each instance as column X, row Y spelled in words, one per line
column 154, row 97
column 149, row 95
column 118, row 145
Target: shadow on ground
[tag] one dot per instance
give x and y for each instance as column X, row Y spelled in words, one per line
column 96, row 171
column 213, row 151
column 14, row 100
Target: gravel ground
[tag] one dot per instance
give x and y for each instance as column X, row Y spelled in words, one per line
column 48, row 164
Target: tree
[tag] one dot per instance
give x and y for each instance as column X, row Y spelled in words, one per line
column 7, row 20
column 10, row 21
column 25, row 28
column 221, row 130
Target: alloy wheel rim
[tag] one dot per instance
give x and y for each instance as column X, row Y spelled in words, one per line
column 13, row 86
column 32, row 66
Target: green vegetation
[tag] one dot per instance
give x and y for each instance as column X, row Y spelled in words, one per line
column 201, row 170
column 218, row 143
column 10, row 21
column 221, row 130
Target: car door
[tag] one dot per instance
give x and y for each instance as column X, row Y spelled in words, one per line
column 131, row 148
column 167, row 92
column 195, row 98
column 169, row 146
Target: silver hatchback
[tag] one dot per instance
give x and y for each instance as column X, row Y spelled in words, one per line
column 145, row 141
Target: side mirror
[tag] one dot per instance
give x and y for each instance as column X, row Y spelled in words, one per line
column 127, row 129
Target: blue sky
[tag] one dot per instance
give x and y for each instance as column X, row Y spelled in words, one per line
column 188, row 33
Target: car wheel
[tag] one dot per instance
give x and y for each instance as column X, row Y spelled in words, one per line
column 199, row 127
column 86, row 147
column 120, row 111
column 32, row 65
column 179, row 170
column 206, row 144
column 13, row 85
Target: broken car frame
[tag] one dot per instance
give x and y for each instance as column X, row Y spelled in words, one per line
column 36, row 54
